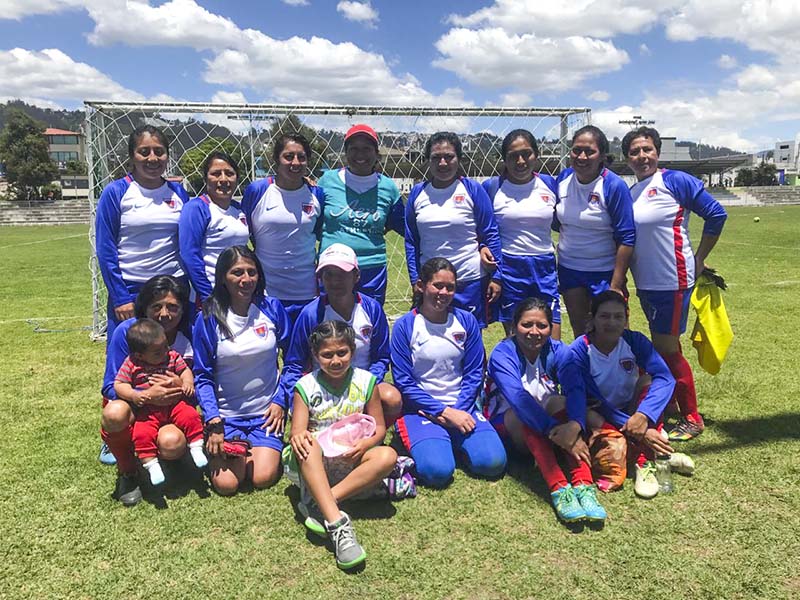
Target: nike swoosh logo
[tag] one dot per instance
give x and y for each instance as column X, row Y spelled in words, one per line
column 509, row 305
column 425, row 422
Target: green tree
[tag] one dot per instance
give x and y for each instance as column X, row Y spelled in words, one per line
column 23, row 149
column 744, row 178
column 765, row 174
column 75, row 167
column 191, row 163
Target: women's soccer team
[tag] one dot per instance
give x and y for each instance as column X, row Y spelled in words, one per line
column 270, row 311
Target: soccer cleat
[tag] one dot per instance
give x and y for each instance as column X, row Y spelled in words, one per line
column 105, row 455
column 127, row 490
column 686, row 429
column 566, row 504
column 646, row 484
column 587, row 496
column 346, row 548
column 681, row 463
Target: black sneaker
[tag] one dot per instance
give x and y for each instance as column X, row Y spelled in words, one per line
column 127, row 490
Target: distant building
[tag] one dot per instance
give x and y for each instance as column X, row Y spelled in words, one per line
column 787, row 162
column 64, row 146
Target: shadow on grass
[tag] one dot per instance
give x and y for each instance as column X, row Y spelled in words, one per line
column 182, row 478
column 752, row 432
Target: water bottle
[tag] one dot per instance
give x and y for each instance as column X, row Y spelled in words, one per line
column 663, row 474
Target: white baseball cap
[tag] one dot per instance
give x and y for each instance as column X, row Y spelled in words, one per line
column 338, row 255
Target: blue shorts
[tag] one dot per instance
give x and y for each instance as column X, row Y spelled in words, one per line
column 526, row 276
column 471, row 297
column 373, row 283
column 293, row 308
column 666, row 312
column 596, row 282
column 251, row 429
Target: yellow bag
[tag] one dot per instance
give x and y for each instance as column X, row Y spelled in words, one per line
column 712, row 333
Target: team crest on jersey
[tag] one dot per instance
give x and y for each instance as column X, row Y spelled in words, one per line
column 459, row 336
column 546, row 198
column 594, row 198
column 651, row 193
column 459, row 198
column 308, row 209
column 627, row 364
column 260, row 330
column 366, row 331
column 243, row 219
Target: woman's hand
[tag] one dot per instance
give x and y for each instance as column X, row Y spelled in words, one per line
column 488, row 261
column 124, row 312
column 565, row 435
column 493, row 291
column 636, row 426
column 302, row 444
column 215, row 441
column 580, row 451
column 458, row 419
column 653, row 439
column 274, row 419
column 164, row 390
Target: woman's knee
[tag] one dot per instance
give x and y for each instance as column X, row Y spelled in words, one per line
column 117, row 415
column 385, row 458
column 435, row 462
column 171, row 442
column 486, row 454
column 391, row 400
column 266, row 467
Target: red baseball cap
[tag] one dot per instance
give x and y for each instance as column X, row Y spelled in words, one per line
column 361, row 129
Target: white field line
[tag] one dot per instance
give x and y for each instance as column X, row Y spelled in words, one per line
column 38, row 319
column 759, row 245
column 44, row 241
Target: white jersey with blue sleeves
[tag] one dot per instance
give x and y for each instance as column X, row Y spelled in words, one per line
column 663, row 258
column 285, row 227
column 524, row 214
column 594, row 218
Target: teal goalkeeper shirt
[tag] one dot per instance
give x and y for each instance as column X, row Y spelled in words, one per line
column 361, row 220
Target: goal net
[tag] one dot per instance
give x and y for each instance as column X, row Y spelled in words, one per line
column 247, row 131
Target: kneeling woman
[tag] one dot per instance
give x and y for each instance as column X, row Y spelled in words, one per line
column 437, row 362
column 606, row 364
column 236, row 341
column 524, row 370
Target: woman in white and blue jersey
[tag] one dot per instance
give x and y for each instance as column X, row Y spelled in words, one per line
column 524, row 204
column 664, row 265
column 211, row 223
column 451, row 217
column 236, row 341
column 437, row 363
column 594, row 214
column 284, row 214
column 136, row 227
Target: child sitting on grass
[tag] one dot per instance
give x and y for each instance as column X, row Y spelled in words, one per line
column 321, row 398
column 150, row 354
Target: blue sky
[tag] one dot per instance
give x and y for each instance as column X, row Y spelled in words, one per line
column 719, row 71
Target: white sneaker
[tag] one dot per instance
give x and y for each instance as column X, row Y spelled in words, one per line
column 681, row 463
column 646, row 484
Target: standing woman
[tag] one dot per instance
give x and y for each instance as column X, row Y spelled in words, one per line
column 664, row 267
column 524, row 203
column 597, row 234
column 437, row 363
column 236, row 342
column 163, row 299
column 284, row 216
column 525, row 406
column 361, row 205
column 339, row 272
column 136, row 227
column 450, row 216
column 211, row 223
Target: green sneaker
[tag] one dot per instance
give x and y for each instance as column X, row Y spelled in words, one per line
column 310, row 511
column 566, row 504
column 587, row 496
column 348, row 551
column 646, row 484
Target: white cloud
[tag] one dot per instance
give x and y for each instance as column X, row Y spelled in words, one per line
column 19, row 9
column 599, row 96
column 727, row 62
column 361, row 12
column 295, row 2
column 517, row 100
column 767, row 25
column 644, row 50
column 223, row 97
column 493, row 58
column 51, row 74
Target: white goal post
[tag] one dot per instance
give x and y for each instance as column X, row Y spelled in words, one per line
column 247, row 132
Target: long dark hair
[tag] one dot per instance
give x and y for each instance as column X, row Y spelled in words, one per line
column 218, row 304
column 426, row 273
column 600, row 139
column 284, row 139
column 156, row 288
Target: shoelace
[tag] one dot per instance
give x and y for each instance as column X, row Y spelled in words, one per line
column 344, row 537
column 647, row 470
column 588, row 495
column 566, row 497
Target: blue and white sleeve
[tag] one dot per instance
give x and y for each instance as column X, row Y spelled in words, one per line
column 192, row 226
column 474, row 355
column 412, row 235
column 116, row 352
column 204, row 344
column 379, row 354
column 620, row 207
column 252, row 194
column 414, row 397
column 663, row 384
column 397, row 214
column 488, row 232
column 107, row 225
column 283, row 327
column 297, row 359
column 691, row 193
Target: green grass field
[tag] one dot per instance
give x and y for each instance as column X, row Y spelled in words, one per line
column 731, row 531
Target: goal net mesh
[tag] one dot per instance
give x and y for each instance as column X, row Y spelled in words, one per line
column 247, row 131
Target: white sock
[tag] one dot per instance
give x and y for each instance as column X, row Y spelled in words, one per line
column 154, row 469
column 198, row 456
